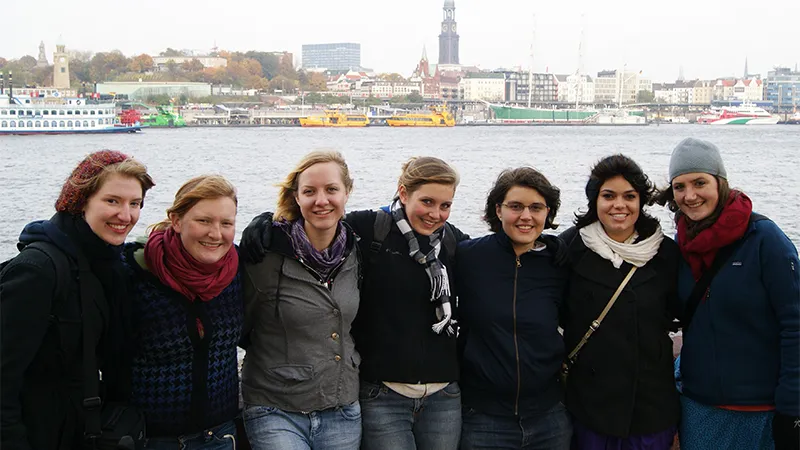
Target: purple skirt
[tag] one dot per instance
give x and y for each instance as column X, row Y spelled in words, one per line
column 586, row 439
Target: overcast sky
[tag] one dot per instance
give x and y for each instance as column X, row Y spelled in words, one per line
column 709, row 38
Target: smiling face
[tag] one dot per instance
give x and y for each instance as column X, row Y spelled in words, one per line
column 428, row 207
column 114, row 209
column 618, row 208
column 322, row 196
column 207, row 229
column 520, row 224
column 696, row 194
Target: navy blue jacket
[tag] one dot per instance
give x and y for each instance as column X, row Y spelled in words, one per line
column 743, row 347
column 509, row 343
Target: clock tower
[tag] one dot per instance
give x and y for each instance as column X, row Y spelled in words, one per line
column 60, row 68
column 448, row 39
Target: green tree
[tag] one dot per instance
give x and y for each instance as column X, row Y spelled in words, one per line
column 645, row 97
column 3, row 62
column 415, row 97
column 27, row 62
column 268, row 61
column 171, row 52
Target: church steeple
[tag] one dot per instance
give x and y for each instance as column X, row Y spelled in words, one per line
column 746, row 71
column 448, row 39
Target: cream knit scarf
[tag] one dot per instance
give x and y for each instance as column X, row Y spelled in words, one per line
column 638, row 254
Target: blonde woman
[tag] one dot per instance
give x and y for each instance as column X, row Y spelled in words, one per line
column 300, row 375
column 188, row 317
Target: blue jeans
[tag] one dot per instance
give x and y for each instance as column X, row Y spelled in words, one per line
column 270, row 428
column 221, row 437
column 392, row 421
column 549, row 430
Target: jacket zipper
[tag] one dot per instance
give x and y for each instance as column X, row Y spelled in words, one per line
column 516, row 344
column 329, row 282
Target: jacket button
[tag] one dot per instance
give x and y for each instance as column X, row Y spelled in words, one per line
column 336, row 312
column 335, row 336
column 337, row 358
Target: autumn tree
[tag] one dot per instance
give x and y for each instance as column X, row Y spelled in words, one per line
column 192, row 66
column 268, row 61
column 317, row 82
column 141, row 64
column 171, row 52
column 27, row 62
column 391, row 77
column 3, row 62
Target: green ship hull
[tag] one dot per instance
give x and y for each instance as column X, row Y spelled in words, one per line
column 164, row 119
column 540, row 114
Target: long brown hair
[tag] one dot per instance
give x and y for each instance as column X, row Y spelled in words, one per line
column 203, row 187
column 288, row 209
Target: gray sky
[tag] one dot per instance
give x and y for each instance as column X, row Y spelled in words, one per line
column 709, row 38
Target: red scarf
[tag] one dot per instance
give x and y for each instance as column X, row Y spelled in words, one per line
column 728, row 228
column 175, row 267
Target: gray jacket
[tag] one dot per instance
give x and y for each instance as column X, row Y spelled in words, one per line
column 301, row 356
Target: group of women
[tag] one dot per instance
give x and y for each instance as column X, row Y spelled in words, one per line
column 392, row 329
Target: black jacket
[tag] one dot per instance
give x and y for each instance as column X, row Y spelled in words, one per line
column 622, row 382
column 41, row 379
column 392, row 330
column 509, row 341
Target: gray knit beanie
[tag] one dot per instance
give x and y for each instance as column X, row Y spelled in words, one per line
column 693, row 155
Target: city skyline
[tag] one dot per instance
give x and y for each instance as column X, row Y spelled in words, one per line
column 707, row 39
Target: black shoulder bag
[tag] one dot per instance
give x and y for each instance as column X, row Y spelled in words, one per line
column 108, row 426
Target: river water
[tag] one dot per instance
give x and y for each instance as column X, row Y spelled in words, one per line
column 761, row 160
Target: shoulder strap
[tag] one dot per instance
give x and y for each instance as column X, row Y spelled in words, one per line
column 700, row 289
column 91, row 382
column 380, row 229
column 60, row 262
column 449, row 240
column 596, row 323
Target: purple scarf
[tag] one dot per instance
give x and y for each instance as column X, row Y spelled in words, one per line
column 322, row 261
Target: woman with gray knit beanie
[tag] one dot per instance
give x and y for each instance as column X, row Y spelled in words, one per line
column 740, row 290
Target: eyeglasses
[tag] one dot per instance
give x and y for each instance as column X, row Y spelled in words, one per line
column 517, row 207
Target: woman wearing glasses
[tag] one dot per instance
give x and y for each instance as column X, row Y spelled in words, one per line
column 510, row 291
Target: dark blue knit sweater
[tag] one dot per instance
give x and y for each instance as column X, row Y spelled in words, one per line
column 182, row 382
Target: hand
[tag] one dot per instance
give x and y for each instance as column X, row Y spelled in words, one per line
column 558, row 247
column 256, row 238
column 786, row 432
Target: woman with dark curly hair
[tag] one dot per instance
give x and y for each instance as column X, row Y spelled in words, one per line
column 510, row 291
column 620, row 387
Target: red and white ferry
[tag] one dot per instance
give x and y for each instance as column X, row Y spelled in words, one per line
column 746, row 114
column 53, row 115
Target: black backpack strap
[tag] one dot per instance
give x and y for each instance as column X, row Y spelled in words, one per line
column 380, row 229
column 60, row 262
column 91, row 383
column 449, row 240
column 700, row 290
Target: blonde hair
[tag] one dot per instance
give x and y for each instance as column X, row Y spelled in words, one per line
column 288, row 209
column 203, row 187
column 422, row 170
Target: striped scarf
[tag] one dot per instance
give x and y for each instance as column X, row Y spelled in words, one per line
column 437, row 272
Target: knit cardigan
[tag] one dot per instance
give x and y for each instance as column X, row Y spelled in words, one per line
column 182, row 382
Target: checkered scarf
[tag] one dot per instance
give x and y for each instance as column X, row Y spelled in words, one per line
column 437, row 272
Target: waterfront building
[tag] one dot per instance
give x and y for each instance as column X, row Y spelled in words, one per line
column 519, row 84
column 703, row 91
column 161, row 63
column 739, row 89
column 61, row 68
column 333, row 57
column 142, row 90
column 487, row 86
column 783, row 88
column 448, row 39
column 428, row 82
column 681, row 92
column 575, row 89
column 620, row 87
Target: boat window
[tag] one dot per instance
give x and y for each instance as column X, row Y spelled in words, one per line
column 3, row 112
column 4, row 124
column 61, row 112
column 45, row 124
column 13, row 124
column 69, row 123
column 69, row 112
column 30, row 112
column 77, row 124
column 46, row 112
column 91, row 112
column 54, row 112
column 61, row 124
column 21, row 124
column 86, row 123
column 30, row 123
column 93, row 124
column 38, row 124
column 12, row 112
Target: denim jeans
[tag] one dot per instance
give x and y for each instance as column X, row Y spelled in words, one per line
column 392, row 421
column 269, row 428
column 549, row 430
column 222, row 437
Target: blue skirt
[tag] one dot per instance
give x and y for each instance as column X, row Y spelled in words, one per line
column 586, row 439
column 708, row 427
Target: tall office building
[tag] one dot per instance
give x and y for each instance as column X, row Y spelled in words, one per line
column 335, row 57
